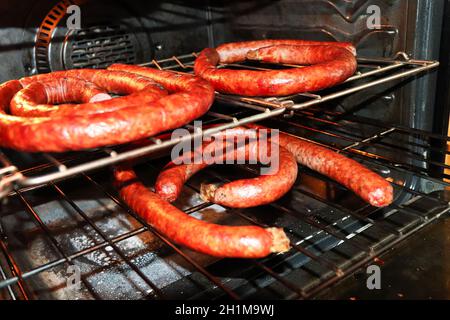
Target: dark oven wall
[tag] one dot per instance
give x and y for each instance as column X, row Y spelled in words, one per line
column 111, row 31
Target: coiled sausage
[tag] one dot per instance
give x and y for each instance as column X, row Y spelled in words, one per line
column 243, row 193
column 138, row 116
column 330, row 63
column 49, row 94
column 365, row 183
column 208, row 238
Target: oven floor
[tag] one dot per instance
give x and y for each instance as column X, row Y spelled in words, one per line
column 417, row 269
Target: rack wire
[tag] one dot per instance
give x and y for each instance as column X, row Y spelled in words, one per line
column 341, row 236
column 379, row 71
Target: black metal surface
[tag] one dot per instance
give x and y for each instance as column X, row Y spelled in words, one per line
column 99, row 47
column 110, row 33
column 412, row 271
column 160, row 28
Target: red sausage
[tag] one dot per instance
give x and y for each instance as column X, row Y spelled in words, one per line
column 243, row 193
column 330, row 63
column 365, row 183
column 43, row 92
column 171, row 180
column 140, row 116
column 236, row 51
column 201, row 236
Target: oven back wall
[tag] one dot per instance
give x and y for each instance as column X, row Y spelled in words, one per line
column 111, row 31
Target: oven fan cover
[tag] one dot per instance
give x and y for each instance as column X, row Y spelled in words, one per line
column 109, row 34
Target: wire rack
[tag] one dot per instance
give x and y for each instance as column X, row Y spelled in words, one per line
column 379, row 71
column 333, row 234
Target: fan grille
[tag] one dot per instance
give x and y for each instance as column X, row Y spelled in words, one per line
column 101, row 46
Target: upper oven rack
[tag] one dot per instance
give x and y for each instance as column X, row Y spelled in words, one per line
column 57, row 167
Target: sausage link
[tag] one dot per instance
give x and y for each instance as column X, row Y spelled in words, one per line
column 39, row 98
column 171, row 180
column 174, row 175
column 329, row 64
column 144, row 113
column 262, row 190
column 243, row 193
column 201, row 236
column 237, row 51
column 371, row 187
column 42, row 92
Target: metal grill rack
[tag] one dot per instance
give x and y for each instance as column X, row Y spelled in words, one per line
column 379, row 71
column 332, row 232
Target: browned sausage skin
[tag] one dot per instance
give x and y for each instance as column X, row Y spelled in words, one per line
column 330, row 64
column 138, row 117
column 243, row 193
column 262, row 190
column 237, row 51
column 172, row 178
column 42, row 92
column 365, row 183
column 201, row 236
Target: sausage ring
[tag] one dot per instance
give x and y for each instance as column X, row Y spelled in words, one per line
column 329, row 63
column 147, row 111
column 49, row 94
column 243, row 193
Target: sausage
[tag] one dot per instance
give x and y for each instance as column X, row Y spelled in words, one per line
column 172, row 178
column 330, row 63
column 237, row 51
column 212, row 239
column 138, row 116
column 262, row 190
column 243, row 193
column 41, row 93
column 368, row 185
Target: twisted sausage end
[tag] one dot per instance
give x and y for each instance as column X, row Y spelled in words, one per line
column 280, row 242
column 208, row 191
column 382, row 197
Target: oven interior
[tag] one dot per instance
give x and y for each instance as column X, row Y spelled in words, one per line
column 60, row 212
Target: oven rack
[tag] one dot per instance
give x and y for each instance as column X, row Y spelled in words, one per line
column 378, row 71
column 369, row 232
